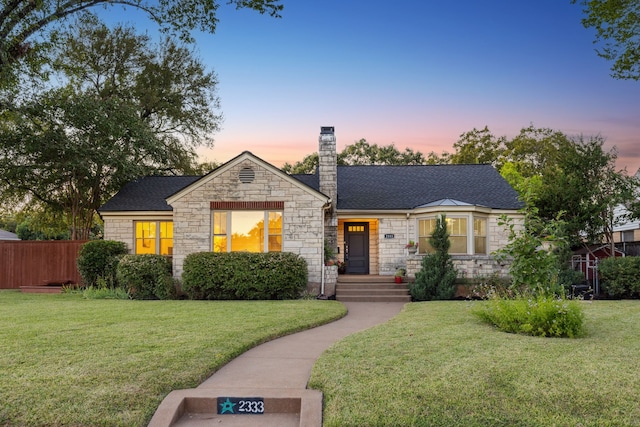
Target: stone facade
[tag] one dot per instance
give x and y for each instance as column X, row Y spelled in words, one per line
column 328, row 180
column 389, row 234
column 302, row 213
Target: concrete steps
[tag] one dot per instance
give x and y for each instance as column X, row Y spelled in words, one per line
column 361, row 288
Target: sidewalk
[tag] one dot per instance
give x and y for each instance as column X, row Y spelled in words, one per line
column 279, row 369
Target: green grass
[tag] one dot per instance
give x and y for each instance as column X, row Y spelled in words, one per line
column 436, row 364
column 66, row 361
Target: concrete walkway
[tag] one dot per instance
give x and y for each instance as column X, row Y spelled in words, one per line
column 279, row 368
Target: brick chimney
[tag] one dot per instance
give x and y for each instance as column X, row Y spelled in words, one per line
column 328, row 177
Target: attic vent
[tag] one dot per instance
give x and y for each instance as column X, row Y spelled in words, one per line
column 246, row 175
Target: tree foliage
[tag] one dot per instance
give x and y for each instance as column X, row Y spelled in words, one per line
column 555, row 173
column 478, row 147
column 125, row 111
column 21, row 21
column 617, row 25
column 363, row 153
column 436, row 279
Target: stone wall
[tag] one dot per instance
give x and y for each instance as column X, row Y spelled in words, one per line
column 302, row 214
column 468, row 266
column 120, row 229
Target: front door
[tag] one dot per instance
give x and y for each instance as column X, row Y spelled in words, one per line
column 356, row 247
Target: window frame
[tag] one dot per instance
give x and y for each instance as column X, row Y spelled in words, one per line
column 470, row 236
column 266, row 237
column 157, row 239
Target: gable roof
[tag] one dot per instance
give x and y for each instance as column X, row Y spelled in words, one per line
column 382, row 187
column 245, row 155
column 359, row 188
column 147, row 194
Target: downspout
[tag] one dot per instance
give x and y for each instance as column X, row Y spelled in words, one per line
column 324, row 216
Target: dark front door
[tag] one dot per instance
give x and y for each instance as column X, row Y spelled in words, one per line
column 356, row 247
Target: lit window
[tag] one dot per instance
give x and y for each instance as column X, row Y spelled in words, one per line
column 154, row 237
column 457, row 229
column 480, row 235
column 244, row 230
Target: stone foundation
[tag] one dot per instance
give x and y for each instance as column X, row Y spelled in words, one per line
column 468, row 266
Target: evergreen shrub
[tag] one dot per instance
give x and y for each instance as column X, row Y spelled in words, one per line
column 99, row 259
column 146, row 276
column 436, row 279
column 244, row 276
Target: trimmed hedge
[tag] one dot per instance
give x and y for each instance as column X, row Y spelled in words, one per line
column 244, row 276
column 620, row 276
column 99, row 258
column 146, row 276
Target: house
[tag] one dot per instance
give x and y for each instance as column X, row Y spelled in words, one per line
column 626, row 232
column 366, row 214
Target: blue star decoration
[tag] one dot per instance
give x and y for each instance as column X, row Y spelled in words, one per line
column 227, row 406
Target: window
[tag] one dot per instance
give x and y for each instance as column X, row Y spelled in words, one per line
column 425, row 230
column 154, row 237
column 457, row 228
column 479, row 235
column 244, row 230
column 459, row 232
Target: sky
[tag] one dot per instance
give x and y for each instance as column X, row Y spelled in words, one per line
column 415, row 73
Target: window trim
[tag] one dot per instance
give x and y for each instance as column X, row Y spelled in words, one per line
column 157, row 239
column 229, row 228
column 470, row 229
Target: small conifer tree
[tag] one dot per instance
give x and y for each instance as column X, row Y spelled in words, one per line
column 436, row 278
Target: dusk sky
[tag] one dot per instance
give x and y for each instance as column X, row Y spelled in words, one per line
column 416, row 73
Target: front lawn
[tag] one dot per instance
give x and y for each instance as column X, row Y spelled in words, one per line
column 65, row 361
column 436, row 364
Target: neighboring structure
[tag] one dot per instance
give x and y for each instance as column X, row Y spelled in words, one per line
column 626, row 234
column 7, row 235
column 367, row 214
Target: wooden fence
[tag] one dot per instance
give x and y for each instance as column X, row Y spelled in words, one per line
column 38, row 262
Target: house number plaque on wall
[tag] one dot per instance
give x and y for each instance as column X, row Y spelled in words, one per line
column 241, row 405
column 389, row 236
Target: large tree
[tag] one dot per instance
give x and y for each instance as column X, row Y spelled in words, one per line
column 125, row 110
column 21, row 21
column 557, row 174
column 617, row 25
column 477, row 147
column 585, row 186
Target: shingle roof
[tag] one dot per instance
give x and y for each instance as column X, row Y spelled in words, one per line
column 408, row 187
column 359, row 188
column 147, row 194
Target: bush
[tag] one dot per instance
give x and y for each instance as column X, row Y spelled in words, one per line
column 244, row 275
column 542, row 315
column 146, row 276
column 436, row 279
column 620, row 276
column 99, row 258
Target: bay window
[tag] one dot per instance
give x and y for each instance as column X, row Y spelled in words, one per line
column 467, row 234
